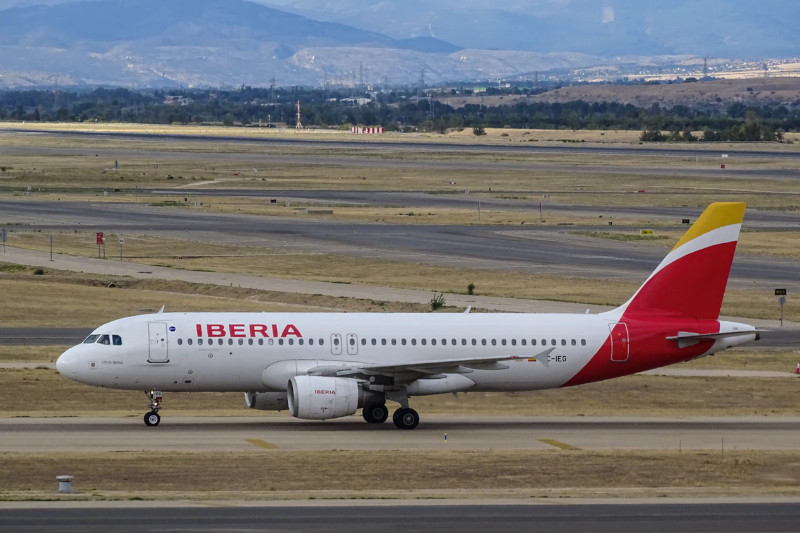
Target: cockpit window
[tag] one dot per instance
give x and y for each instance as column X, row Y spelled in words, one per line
column 91, row 339
column 103, row 340
column 116, row 340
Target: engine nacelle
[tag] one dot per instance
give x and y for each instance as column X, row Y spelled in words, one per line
column 266, row 401
column 320, row 398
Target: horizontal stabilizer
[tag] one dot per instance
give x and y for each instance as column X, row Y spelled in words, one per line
column 688, row 338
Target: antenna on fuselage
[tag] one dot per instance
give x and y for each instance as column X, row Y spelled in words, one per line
column 160, row 310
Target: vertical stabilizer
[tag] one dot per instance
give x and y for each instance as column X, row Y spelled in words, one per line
column 691, row 280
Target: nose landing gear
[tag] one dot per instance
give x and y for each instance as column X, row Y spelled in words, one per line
column 152, row 418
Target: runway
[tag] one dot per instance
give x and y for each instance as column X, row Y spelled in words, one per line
column 229, row 434
column 539, row 250
column 688, row 151
column 422, row 516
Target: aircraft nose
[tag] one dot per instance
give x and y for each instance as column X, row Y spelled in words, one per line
column 66, row 364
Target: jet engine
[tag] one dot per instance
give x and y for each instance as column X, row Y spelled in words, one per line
column 266, row 401
column 320, row 398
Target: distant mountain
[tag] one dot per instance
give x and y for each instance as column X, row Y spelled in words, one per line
column 183, row 23
column 147, row 43
column 190, row 43
column 717, row 28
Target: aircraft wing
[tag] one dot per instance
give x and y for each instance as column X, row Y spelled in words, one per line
column 427, row 368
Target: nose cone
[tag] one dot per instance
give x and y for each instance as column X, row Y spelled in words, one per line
column 67, row 364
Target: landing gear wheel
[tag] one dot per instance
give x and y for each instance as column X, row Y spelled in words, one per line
column 375, row 414
column 152, row 418
column 405, row 418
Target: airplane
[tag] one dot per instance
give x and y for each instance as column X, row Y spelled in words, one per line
column 328, row 365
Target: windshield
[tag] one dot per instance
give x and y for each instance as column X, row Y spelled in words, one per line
column 91, row 339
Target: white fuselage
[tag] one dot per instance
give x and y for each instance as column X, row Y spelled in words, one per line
column 233, row 351
column 259, row 352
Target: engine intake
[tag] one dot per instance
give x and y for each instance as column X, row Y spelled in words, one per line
column 320, row 398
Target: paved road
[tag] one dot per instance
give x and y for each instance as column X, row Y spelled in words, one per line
column 179, row 433
column 346, row 517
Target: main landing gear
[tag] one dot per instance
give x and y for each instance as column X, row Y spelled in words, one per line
column 375, row 414
column 152, row 418
column 403, row 418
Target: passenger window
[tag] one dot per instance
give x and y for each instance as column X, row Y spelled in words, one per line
column 483, row 342
column 513, row 342
column 260, row 342
column 403, row 342
column 374, row 342
column 250, row 342
column 383, row 342
column 321, row 342
column 300, row 342
column 104, row 340
column 336, row 341
column 180, row 342
column 463, row 342
column 503, row 342
column 352, row 341
column 583, row 342
column 91, row 339
column 523, row 342
column 553, row 342
column 199, row 342
column 574, row 343
column 271, row 341
column 280, row 341
column 424, row 341
column 363, row 342
column 563, row 342
column 394, row 342
column 474, row 342
column 494, row 342
column 533, row 342
column 230, row 342
column 189, row 342
column 413, row 342
column 291, row 342
column 433, row 342
column 116, row 340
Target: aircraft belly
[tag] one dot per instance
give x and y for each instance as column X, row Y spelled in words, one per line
column 524, row 375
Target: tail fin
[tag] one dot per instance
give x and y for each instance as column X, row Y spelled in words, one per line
column 691, row 280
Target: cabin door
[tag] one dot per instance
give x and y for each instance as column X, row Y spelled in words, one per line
column 157, row 335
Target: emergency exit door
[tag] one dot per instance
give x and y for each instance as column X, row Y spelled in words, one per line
column 620, row 343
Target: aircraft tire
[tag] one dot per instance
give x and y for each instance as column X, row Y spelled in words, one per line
column 152, row 418
column 405, row 418
column 375, row 414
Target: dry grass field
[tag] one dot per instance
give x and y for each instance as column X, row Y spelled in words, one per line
column 281, row 475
